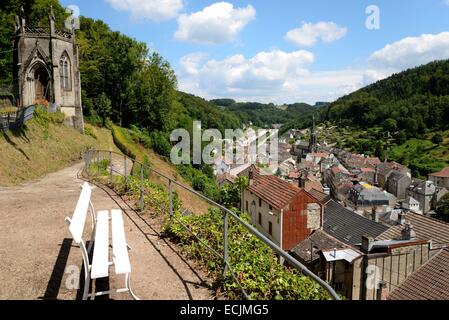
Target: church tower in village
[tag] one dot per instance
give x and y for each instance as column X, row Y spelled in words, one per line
column 46, row 68
column 313, row 138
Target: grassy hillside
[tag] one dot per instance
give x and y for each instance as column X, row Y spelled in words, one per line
column 137, row 145
column 44, row 145
column 397, row 118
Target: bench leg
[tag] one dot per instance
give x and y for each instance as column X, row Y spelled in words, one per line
column 128, row 286
column 86, row 284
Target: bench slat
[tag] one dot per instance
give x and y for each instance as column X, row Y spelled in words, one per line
column 100, row 261
column 119, row 246
column 79, row 216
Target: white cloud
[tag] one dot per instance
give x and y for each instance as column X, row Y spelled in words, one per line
column 273, row 76
column 155, row 10
column 309, row 34
column 412, row 51
column 286, row 77
column 216, row 24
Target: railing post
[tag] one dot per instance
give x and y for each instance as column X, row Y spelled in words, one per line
column 142, row 203
column 98, row 163
column 225, row 243
column 170, row 188
column 110, row 166
column 126, row 171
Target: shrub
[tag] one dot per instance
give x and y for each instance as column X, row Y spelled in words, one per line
column 122, row 142
column 160, row 143
column 437, row 138
column 57, row 117
column 253, row 262
column 89, row 132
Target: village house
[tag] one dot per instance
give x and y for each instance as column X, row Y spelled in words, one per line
column 283, row 212
column 366, row 199
column 317, row 157
column 440, row 179
column 397, row 184
column 430, row 282
column 339, row 181
column 349, row 251
column 384, row 169
column 412, row 205
column 309, row 181
column 225, row 179
column 426, row 193
column 367, row 175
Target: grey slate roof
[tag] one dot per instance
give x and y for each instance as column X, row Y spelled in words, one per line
column 347, row 226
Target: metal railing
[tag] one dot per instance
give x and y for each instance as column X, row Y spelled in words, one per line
column 97, row 156
column 15, row 120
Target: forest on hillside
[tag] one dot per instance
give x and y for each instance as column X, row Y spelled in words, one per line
column 411, row 103
column 265, row 114
column 404, row 118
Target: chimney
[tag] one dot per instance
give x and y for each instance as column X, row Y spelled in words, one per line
column 251, row 176
column 374, row 215
column 408, row 233
column 401, row 218
column 367, row 243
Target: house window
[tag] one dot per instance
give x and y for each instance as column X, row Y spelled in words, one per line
column 270, row 228
column 271, row 208
column 64, row 72
column 260, row 202
column 260, row 218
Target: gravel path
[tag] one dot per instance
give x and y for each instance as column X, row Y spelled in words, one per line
column 37, row 252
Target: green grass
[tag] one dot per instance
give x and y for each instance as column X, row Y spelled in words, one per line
column 43, row 146
column 422, row 156
column 4, row 110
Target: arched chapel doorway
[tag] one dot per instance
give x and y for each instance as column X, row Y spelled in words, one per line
column 41, row 84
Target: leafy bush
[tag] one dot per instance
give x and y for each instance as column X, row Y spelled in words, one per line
column 437, row 138
column 252, row 261
column 57, row 117
column 160, row 143
column 89, row 132
column 123, row 142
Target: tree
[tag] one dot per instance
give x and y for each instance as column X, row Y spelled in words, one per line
column 103, row 107
column 230, row 194
column 390, row 125
column 437, row 138
column 442, row 208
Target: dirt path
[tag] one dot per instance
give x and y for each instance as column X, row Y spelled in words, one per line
column 36, row 249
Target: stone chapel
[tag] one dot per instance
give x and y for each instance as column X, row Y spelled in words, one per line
column 46, row 69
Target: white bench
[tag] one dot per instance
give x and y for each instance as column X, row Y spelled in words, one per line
column 99, row 240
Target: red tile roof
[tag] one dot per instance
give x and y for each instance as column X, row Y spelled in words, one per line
column 336, row 170
column 294, row 175
column 373, row 161
column 320, row 155
column 276, row 192
column 429, row 282
column 442, row 174
column 367, row 170
column 320, row 196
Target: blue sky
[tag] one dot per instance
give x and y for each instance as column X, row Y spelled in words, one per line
column 280, row 51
